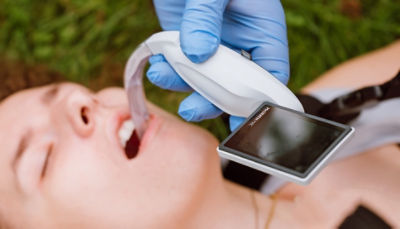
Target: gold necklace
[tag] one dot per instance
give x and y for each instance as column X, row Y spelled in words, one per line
column 271, row 212
column 253, row 200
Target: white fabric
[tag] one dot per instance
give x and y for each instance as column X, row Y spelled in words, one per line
column 376, row 126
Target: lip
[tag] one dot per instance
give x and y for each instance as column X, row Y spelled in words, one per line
column 152, row 128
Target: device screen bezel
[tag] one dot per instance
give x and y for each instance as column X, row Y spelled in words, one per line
column 346, row 130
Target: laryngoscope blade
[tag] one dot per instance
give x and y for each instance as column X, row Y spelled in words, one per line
column 133, row 83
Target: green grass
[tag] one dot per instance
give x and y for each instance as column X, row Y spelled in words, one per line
column 72, row 36
column 89, row 41
column 320, row 36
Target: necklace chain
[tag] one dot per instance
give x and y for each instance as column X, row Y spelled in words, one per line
column 271, row 212
column 253, row 200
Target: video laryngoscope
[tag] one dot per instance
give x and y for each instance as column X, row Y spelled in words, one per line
column 277, row 138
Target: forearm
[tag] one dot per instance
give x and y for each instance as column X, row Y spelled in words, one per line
column 373, row 68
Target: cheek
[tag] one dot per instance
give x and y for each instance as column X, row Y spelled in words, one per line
column 83, row 183
column 162, row 184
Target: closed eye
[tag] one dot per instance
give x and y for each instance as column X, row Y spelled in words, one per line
column 46, row 162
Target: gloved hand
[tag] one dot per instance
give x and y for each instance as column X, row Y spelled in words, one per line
column 256, row 26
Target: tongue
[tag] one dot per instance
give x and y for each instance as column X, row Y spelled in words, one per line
column 132, row 146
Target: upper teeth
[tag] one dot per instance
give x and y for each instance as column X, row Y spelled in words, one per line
column 125, row 132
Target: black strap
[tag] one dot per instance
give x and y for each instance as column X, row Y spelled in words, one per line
column 349, row 106
column 244, row 175
column 364, row 218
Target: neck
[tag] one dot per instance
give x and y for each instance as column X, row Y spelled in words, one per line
column 231, row 206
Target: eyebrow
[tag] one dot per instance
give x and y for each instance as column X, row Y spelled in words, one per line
column 50, row 94
column 23, row 143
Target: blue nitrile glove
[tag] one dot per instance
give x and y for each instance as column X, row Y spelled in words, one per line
column 256, row 26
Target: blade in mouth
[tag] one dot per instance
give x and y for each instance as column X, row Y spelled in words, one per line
column 132, row 146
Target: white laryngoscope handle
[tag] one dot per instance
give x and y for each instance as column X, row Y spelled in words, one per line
column 231, row 82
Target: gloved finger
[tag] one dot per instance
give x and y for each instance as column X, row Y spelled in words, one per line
column 273, row 60
column 201, row 28
column 235, row 122
column 263, row 34
column 272, row 51
column 196, row 108
column 163, row 75
column 169, row 13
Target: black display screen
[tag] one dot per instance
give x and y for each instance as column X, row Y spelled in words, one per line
column 284, row 138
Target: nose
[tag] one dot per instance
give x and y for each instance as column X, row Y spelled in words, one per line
column 80, row 107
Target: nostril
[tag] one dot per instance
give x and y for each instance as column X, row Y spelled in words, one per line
column 85, row 115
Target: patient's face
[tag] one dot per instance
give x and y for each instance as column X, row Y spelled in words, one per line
column 62, row 163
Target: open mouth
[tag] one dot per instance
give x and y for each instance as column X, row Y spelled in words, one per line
column 129, row 139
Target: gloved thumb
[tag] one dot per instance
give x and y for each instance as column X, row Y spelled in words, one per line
column 201, row 28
